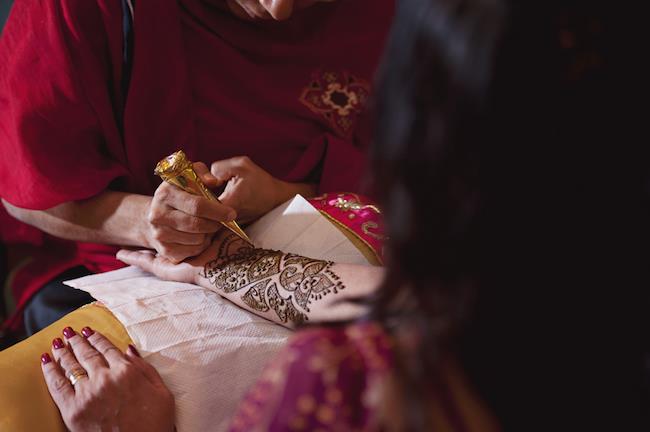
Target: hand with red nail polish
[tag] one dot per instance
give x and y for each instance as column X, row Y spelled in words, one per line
column 119, row 391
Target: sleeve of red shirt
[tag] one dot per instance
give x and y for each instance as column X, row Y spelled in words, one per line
column 57, row 101
column 343, row 167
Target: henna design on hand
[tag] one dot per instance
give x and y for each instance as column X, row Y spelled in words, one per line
column 263, row 272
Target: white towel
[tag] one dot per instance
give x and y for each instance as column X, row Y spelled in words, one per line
column 209, row 351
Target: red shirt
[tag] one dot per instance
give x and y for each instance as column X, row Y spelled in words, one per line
column 290, row 95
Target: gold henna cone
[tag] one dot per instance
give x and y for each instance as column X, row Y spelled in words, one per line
column 178, row 170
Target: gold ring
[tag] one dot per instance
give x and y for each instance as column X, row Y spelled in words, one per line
column 76, row 374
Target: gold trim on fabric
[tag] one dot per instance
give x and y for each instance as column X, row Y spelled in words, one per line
column 364, row 247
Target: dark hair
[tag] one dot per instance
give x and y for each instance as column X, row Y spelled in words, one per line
column 490, row 115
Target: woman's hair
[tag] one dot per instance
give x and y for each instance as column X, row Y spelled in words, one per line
column 491, row 121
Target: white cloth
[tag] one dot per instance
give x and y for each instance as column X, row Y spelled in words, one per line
column 209, row 351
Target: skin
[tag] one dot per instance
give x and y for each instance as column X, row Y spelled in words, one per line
column 345, row 281
column 174, row 223
column 269, row 9
column 121, row 388
column 121, row 392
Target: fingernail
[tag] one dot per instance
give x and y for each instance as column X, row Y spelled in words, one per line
column 57, row 343
column 134, row 350
column 45, row 358
column 232, row 215
column 87, row 332
column 68, row 332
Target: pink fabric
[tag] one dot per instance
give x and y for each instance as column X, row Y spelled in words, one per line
column 322, row 380
column 356, row 213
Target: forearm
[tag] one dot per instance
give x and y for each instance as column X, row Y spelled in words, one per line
column 287, row 288
column 289, row 190
column 109, row 218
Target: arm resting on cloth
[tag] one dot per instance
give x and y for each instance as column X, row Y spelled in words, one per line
column 282, row 287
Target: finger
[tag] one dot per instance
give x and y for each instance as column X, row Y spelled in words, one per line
column 57, row 384
column 159, row 266
column 167, row 234
column 199, row 206
column 105, row 347
column 87, row 356
column 183, row 222
column 205, row 175
column 230, row 197
column 226, row 169
column 143, row 366
column 141, row 259
column 177, row 253
column 257, row 10
column 64, row 356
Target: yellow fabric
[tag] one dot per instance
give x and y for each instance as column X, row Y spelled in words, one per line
column 25, row 404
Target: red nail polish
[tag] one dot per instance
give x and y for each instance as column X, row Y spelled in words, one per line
column 57, row 343
column 134, row 350
column 87, row 332
column 45, row 358
column 68, row 332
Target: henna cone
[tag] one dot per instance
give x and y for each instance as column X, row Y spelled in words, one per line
column 177, row 170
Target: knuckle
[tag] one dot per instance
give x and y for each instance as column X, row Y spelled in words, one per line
column 154, row 214
column 103, row 383
column 100, row 345
column 59, row 384
column 127, row 373
column 65, row 357
column 195, row 224
column 96, row 339
column 162, row 193
column 194, row 205
column 242, row 161
column 89, row 355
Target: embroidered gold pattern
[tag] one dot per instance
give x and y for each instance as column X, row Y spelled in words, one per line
column 339, row 97
column 347, row 205
column 370, row 225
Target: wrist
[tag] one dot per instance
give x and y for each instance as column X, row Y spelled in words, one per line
column 142, row 227
column 288, row 190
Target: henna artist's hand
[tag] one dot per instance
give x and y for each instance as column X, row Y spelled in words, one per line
column 181, row 225
column 113, row 391
column 250, row 190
